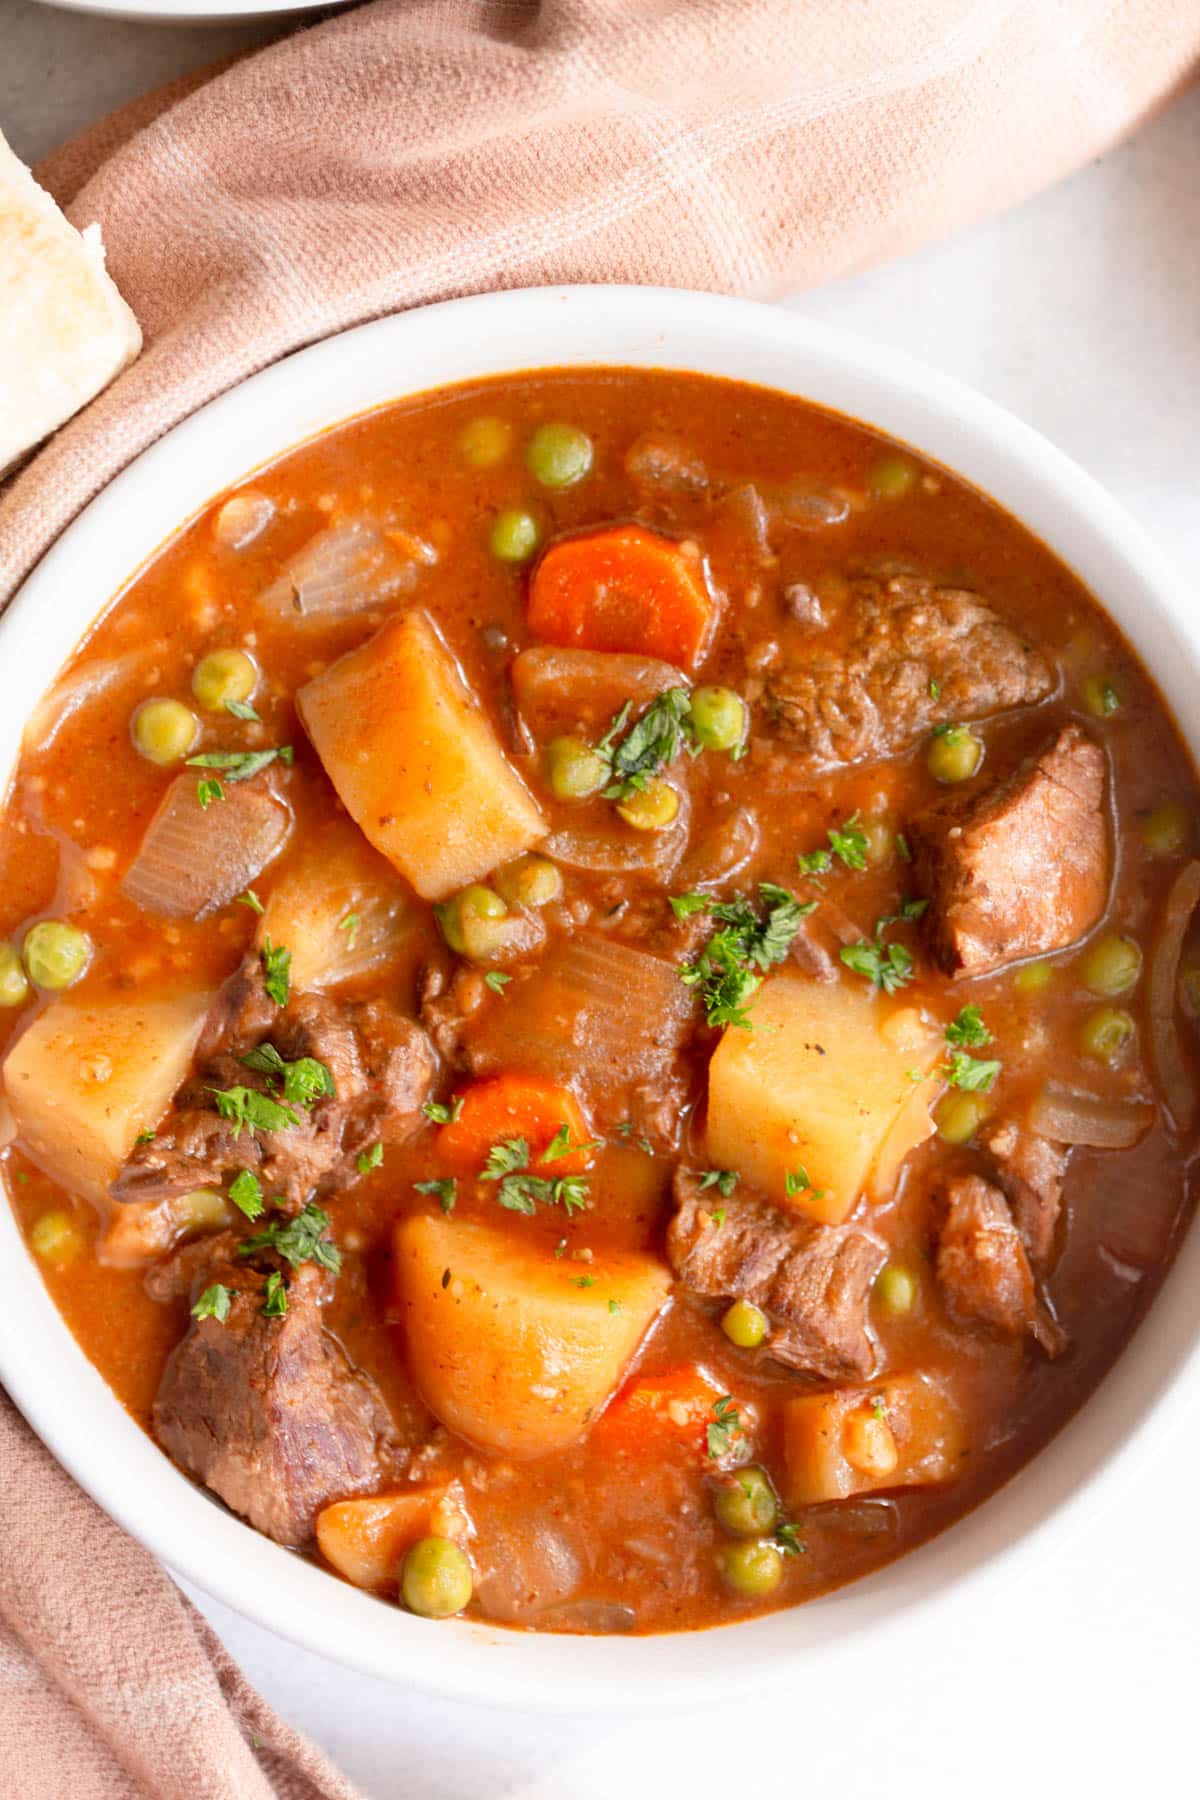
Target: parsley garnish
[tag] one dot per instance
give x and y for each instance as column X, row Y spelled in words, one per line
column 275, row 1301
column 245, row 1190
column 277, row 971
column 968, row 1029
column 351, row 925
column 903, row 850
column 240, row 765
column 684, row 905
column 561, row 1145
column 304, row 1082
column 213, row 1303
column 497, row 980
column 727, row 971
column 585, row 1281
column 440, row 1113
column 788, row 1538
column 648, row 746
column 847, row 842
column 796, row 1181
column 725, row 1428
column 886, row 966
column 614, row 1306
column 519, row 1191
column 245, row 1107
column 242, row 709
column 297, row 1240
column 144, row 1137
column 445, row 1191
column 208, row 791
column 935, row 689
column 719, row 1216
column 250, row 899
column 974, row 1073
column 371, row 1158
column 724, row 1180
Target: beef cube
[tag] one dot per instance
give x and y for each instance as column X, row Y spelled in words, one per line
column 1020, row 868
column 1031, row 1171
column 270, row 1413
column 982, row 1267
column 813, row 1281
column 906, row 655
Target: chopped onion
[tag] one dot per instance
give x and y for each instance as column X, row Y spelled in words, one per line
column 1066, row 1116
column 349, row 567
column 560, row 689
column 1174, row 1078
column 620, row 850
column 86, row 683
column 194, row 859
column 533, row 1567
column 807, row 509
column 599, row 1617
column 743, row 511
column 8, row 1125
column 721, row 852
column 666, row 465
column 243, row 517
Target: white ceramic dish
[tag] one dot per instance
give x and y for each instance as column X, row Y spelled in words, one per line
column 194, row 12
column 1088, row 1465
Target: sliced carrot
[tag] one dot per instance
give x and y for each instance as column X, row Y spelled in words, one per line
column 509, row 1106
column 625, row 589
column 653, row 1412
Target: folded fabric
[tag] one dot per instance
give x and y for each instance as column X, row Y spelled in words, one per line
column 403, row 153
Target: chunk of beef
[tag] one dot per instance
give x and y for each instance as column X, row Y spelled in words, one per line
column 907, row 655
column 1031, row 1172
column 1021, row 868
column 383, row 1069
column 661, row 466
column 270, row 1413
column 242, row 1013
column 983, row 1269
column 813, row 1281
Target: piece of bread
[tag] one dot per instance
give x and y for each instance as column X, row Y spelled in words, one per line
column 64, row 329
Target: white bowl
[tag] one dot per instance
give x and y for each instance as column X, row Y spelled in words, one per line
column 67, row 1401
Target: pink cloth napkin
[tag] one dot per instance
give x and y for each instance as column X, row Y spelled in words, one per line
column 404, row 153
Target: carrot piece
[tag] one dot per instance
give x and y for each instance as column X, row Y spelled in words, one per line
column 508, row 1106
column 653, row 1412
column 624, row 589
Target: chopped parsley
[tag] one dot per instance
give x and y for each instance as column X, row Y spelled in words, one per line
column 886, row 966
column 585, row 1281
column 207, row 791
column 684, row 905
column 245, row 1190
column 370, row 1158
column 725, row 1427
column 879, row 1409
column 903, row 848
column 497, row 980
column 561, row 1145
column 250, row 899
column 444, row 1191
column 304, row 1082
column 968, row 1029
column 297, row 1240
column 728, row 971
column 440, row 1113
column 787, row 1537
column 814, row 862
column 935, row 689
column 847, row 842
column 719, row 1216
column 277, row 971
column 724, row 1180
column 614, row 1306
column 648, row 746
column 975, row 1073
column 519, row 1191
column 245, row 1108
column 351, row 925
column 796, row 1181
column 275, row 1302
column 240, row 765
column 242, row 709
column 144, row 1137
column 213, row 1303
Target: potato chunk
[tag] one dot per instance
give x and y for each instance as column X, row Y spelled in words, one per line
column 83, row 1081
column 513, row 1348
column 815, row 1089
column 903, row 1432
column 416, row 761
column 365, row 1539
column 339, row 909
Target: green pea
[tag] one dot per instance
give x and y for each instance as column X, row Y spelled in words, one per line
column 718, row 718
column 559, row 455
column 514, row 535
column 1166, row 830
column 746, row 1505
column 485, row 442
column 14, row 987
column 222, row 676
column 1032, row 977
column 56, row 954
column 892, row 478
column 56, row 1238
column 574, row 769
column 753, row 1569
column 958, row 1116
column 896, row 1288
column 1100, row 696
column 462, row 915
column 954, row 754
column 1106, row 1033
column 529, row 881
column 1111, row 966
column 435, row 1578
column 651, row 808
column 164, row 731
column 745, row 1325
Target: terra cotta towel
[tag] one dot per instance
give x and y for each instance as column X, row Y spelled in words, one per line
column 404, row 153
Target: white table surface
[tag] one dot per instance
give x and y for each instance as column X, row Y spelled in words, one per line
column 1080, row 311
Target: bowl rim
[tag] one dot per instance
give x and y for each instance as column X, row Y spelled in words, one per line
column 1140, row 1405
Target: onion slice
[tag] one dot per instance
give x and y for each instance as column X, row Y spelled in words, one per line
column 560, row 689
column 1067, row 1116
column 1174, row 1079
column 194, row 859
column 348, row 568
column 88, row 682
